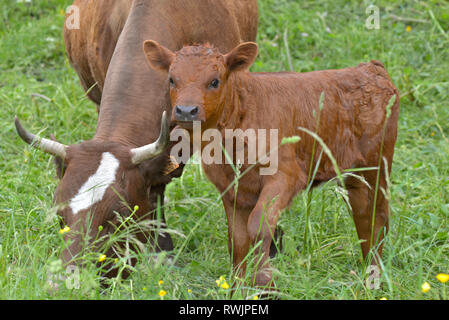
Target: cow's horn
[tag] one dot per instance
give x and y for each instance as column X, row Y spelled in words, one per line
column 138, row 155
column 46, row 145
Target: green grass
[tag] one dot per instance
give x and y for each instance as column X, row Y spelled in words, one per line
column 320, row 35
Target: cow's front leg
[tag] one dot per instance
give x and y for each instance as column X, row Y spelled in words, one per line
column 276, row 195
column 164, row 241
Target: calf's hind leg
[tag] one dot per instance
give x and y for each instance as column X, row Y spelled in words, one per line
column 371, row 230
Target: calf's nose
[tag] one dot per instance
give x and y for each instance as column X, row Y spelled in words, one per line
column 186, row 113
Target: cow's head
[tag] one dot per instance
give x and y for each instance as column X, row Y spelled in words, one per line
column 198, row 77
column 100, row 183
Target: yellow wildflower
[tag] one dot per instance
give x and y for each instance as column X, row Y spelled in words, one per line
column 161, row 282
column 443, row 277
column 256, row 298
column 64, row 230
column 383, row 298
column 102, row 258
column 220, row 281
column 189, row 291
column 408, row 29
column 225, row 285
column 162, row 293
column 425, row 287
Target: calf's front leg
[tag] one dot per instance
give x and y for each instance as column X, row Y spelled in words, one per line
column 276, row 195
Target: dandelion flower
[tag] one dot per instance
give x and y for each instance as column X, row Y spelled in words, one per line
column 383, row 298
column 256, row 298
column 102, row 258
column 162, row 293
column 225, row 285
column 425, row 287
column 443, row 277
column 64, row 230
column 189, row 291
column 408, row 28
column 161, row 282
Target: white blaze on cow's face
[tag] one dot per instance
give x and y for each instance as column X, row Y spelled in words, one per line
column 93, row 190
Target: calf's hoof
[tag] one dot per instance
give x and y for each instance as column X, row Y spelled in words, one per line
column 264, row 278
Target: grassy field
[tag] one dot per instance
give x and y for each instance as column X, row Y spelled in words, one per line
column 412, row 41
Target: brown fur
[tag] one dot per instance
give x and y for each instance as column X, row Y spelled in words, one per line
column 131, row 96
column 351, row 125
column 90, row 48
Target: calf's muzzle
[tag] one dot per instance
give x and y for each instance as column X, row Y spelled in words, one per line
column 186, row 113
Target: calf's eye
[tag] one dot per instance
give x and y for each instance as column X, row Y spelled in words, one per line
column 214, row 84
column 172, row 82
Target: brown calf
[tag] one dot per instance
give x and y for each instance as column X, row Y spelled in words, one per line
column 219, row 91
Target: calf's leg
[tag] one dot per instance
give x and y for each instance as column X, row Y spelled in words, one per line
column 371, row 230
column 275, row 196
column 238, row 238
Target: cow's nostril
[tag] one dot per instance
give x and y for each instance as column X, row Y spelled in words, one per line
column 194, row 111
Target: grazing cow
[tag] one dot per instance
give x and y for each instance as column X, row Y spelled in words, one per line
column 121, row 162
column 354, row 123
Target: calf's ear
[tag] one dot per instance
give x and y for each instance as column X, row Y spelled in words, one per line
column 159, row 57
column 242, row 56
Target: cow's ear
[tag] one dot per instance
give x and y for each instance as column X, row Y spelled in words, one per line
column 241, row 57
column 159, row 57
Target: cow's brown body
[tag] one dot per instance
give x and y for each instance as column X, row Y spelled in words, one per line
column 107, row 51
column 90, row 48
column 219, row 91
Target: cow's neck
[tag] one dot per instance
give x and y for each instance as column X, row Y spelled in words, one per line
column 134, row 95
